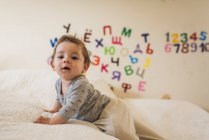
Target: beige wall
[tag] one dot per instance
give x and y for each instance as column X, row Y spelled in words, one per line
column 26, row 28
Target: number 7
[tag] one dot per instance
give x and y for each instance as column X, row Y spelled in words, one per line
column 177, row 47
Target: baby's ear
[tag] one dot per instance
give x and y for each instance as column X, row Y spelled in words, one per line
column 50, row 62
column 85, row 68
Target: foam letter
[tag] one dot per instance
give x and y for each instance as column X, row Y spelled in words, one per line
column 126, row 86
column 141, row 86
column 126, row 32
column 128, row 70
column 104, row 68
column 116, row 75
column 107, row 27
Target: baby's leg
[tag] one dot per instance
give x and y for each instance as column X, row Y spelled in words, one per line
column 116, row 120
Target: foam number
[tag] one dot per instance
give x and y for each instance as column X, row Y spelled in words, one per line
column 177, row 47
column 203, row 47
column 203, row 36
column 207, row 47
column 175, row 38
column 193, row 47
column 193, row 37
column 184, row 38
column 185, row 48
column 168, row 47
column 167, row 37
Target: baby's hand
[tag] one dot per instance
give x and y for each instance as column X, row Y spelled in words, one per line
column 42, row 120
column 46, row 110
column 50, row 111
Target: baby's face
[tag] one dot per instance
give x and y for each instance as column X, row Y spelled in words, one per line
column 69, row 61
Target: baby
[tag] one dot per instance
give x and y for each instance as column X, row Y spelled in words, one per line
column 77, row 98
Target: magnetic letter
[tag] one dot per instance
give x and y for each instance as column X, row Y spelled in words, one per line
column 126, row 86
column 138, row 50
column 126, row 32
column 117, row 61
column 147, row 62
column 116, row 40
column 145, row 35
column 116, row 75
column 107, row 27
column 86, row 36
column 96, row 60
column 133, row 59
column 142, row 73
column 149, row 50
column 128, row 70
column 99, row 43
column 141, row 86
column 53, row 42
column 104, row 68
column 67, row 28
column 111, row 50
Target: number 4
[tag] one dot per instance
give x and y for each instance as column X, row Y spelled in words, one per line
column 193, row 36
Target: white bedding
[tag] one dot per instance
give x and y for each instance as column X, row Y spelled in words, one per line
column 172, row 119
column 24, row 93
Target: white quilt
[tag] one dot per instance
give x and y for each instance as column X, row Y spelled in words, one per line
column 172, row 119
column 22, row 96
column 24, row 93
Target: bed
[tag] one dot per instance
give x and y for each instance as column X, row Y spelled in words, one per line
column 25, row 93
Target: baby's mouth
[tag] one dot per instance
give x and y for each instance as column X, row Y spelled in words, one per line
column 66, row 68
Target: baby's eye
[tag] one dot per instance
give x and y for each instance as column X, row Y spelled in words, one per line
column 74, row 57
column 60, row 57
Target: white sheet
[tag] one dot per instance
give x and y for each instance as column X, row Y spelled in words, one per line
column 22, row 96
column 172, row 119
column 23, row 93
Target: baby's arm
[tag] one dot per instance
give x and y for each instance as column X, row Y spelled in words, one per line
column 55, row 108
column 57, row 119
column 46, row 120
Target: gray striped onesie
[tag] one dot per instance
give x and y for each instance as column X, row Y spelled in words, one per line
column 81, row 101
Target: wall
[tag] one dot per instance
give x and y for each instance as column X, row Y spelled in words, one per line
column 143, row 48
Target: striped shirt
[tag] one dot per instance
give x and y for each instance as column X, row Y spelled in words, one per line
column 81, row 101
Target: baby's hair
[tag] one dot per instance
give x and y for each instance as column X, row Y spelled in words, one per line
column 78, row 42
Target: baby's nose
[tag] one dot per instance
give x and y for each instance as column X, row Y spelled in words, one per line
column 66, row 60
